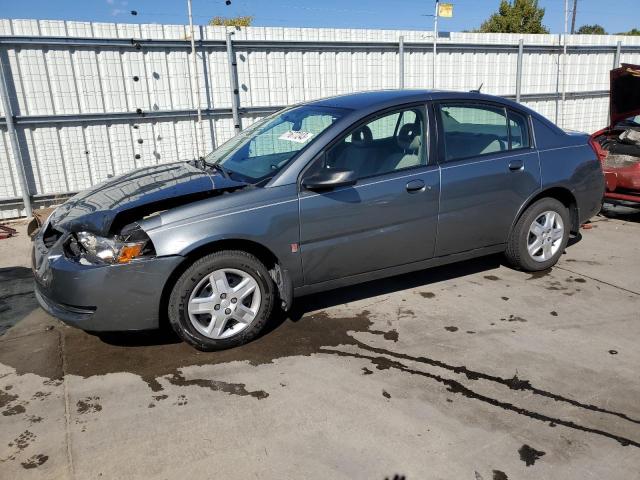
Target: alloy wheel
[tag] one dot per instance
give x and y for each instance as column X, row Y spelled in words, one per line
column 224, row 303
column 545, row 236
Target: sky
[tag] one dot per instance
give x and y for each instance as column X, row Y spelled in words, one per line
column 385, row 14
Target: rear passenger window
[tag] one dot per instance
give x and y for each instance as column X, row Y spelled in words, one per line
column 473, row 130
column 519, row 130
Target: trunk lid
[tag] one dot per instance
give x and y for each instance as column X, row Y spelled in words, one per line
column 624, row 93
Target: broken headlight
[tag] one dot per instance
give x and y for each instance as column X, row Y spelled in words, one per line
column 89, row 248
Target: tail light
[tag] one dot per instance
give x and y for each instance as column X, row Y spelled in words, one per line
column 600, row 152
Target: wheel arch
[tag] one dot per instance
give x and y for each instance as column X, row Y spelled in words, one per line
column 560, row 193
column 279, row 275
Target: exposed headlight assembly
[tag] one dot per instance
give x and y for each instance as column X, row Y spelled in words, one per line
column 89, row 248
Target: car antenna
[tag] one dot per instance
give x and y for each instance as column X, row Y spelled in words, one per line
column 478, row 90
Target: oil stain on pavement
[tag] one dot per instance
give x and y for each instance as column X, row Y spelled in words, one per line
column 35, row 461
column 529, row 455
column 88, row 405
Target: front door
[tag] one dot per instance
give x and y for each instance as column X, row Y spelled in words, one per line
column 489, row 169
column 389, row 217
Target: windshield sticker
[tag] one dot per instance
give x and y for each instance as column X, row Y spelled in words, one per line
column 297, row 137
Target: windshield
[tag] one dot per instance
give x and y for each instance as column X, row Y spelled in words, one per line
column 263, row 149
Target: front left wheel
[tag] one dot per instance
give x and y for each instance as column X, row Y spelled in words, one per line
column 222, row 300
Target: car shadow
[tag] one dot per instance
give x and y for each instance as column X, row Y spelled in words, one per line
column 573, row 239
column 142, row 338
column 384, row 286
column 621, row 212
column 17, row 299
column 320, row 301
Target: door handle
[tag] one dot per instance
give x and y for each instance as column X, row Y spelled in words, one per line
column 516, row 165
column 415, row 186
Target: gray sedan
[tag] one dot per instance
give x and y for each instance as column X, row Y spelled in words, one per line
column 317, row 196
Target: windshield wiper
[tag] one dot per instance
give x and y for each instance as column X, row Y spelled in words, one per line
column 221, row 169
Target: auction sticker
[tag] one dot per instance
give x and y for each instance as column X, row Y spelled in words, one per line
column 297, row 137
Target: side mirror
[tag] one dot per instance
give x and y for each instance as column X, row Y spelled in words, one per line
column 329, row 179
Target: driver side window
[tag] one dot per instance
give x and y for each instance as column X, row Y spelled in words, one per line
column 388, row 143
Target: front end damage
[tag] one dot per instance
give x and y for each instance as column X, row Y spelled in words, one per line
column 96, row 294
column 95, row 267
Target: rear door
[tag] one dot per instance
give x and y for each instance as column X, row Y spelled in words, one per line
column 389, row 217
column 489, row 168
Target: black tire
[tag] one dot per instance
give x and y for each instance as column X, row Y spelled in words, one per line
column 235, row 259
column 517, row 253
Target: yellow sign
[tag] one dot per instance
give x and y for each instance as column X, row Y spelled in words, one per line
column 445, row 10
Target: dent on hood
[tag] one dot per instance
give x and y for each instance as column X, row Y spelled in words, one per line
column 110, row 206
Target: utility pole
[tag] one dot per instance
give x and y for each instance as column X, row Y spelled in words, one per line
column 435, row 43
column 564, row 62
column 573, row 16
column 447, row 11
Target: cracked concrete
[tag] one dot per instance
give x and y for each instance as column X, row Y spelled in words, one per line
column 466, row 371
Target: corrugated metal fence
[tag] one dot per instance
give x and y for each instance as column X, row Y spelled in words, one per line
column 92, row 100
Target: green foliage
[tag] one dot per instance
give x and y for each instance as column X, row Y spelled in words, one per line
column 518, row 16
column 633, row 32
column 591, row 30
column 245, row 21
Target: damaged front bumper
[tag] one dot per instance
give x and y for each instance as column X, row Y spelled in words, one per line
column 100, row 297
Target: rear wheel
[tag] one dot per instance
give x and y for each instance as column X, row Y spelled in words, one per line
column 222, row 300
column 540, row 236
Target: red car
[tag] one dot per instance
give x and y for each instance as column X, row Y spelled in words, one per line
column 618, row 145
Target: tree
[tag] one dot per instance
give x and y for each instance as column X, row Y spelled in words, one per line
column 244, row 21
column 518, row 16
column 633, row 32
column 594, row 29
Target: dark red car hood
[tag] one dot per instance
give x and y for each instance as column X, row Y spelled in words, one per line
column 625, row 93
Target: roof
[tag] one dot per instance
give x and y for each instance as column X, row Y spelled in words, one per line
column 361, row 100
column 386, row 98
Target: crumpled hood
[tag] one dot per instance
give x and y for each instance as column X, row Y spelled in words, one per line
column 624, row 93
column 130, row 196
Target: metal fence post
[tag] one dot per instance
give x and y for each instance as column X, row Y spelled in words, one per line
column 558, row 72
column 401, row 62
column 616, row 58
column 207, row 88
column 195, row 86
column 11, row 129
column 235, row 89
column 519, row 70
column 564, row 81
column 435, row 48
